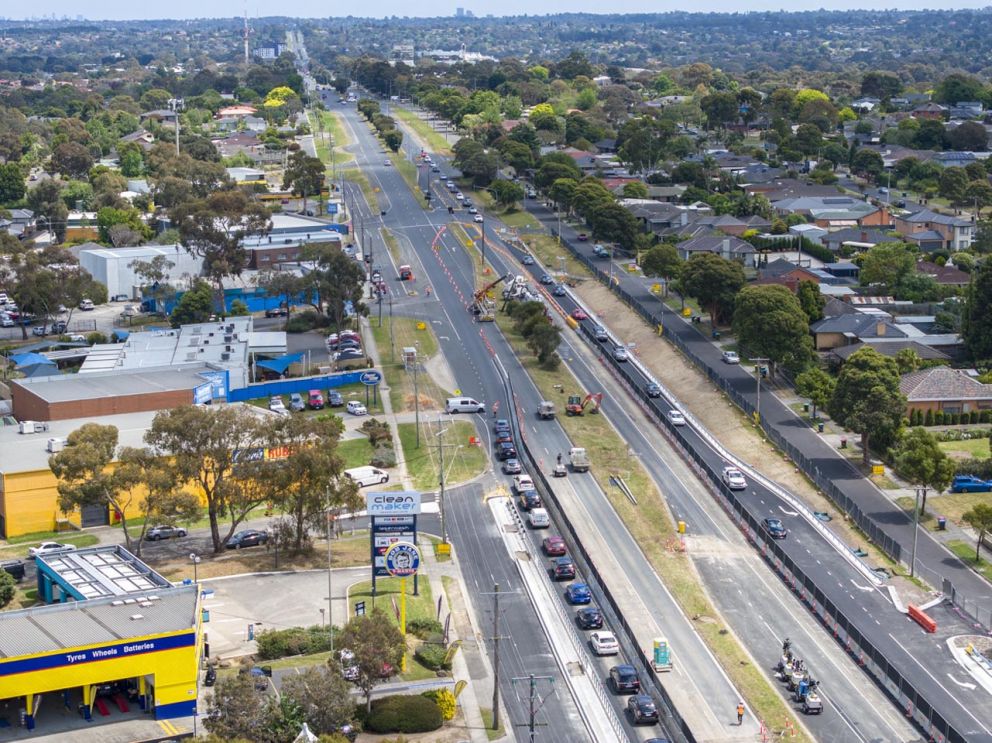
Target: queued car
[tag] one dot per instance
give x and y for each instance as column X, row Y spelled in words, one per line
column 501, row 425
column 600, row 334
column 620, row 353
column 478, row 218
column 505, row 450
column 589, row 617
column 642, row 709
column 733, row 478
column 547, row 279
column 653, row 389
column 529, row 500
column 775, row 528
column 604, row 643
column 624, row 680
column 582, row 237
column 247, row 538
column 578, row 593
column 579, row 314
column 165, row 531
column 731, row 357
column 49, row 548
column 356, row 408
column 527, row 260
column 553, row 546
column 563, row 568
column 676, row 417
column 512, row 467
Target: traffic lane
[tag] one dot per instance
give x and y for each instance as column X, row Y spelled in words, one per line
column 522, row 650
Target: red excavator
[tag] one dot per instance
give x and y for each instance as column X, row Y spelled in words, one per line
column 577, row 405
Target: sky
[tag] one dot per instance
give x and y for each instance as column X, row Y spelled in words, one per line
column 128, row 9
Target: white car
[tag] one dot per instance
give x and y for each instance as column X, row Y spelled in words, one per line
column 6, row 322
column 733, row 478
column 478, row 218
column 276, row 405
column 604, row 643
column 620, row 353
column 676, row 417
column 356, row 408
column 731, row 357
column 459, row 196
column 523, row 482
column 48, row 548
column 76, row 338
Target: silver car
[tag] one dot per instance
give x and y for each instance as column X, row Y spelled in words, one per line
column 620, row 353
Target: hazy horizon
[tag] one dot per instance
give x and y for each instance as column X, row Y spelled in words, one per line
column 122, row 10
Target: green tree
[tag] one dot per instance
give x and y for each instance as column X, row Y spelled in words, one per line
column 811, row 299
column 132, row 161
column 544, row 340
column 867, row 163
column 305, row 175
column 612, row 222
column 979, row 518
column 323, row 697
column 714, row 281
column 887, row 265
column 154, row 277
column 817, row 385
column 71, row 159
column 196, row 305
column 662, row 260
column 970, row 136
column 635, row 190
column 958, row 87
column 11, row 183
column 881, row 84
column 8, row 588
column 922, row 463
column 769, row 322
column 908, row 360
column 976, row 320
column 136, row 230
column 867, row 399
column 336, row 281
column 375, row 642
column 393, row 139
column 561, row 192
column 953, row 184
column 92, row 470
column 236, row 711
column 506, row 193
column 979, row 193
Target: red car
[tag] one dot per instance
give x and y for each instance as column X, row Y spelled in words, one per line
column 554, row 546
column 583, row 237
column 578, row 314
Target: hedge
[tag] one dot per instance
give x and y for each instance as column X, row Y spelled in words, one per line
column 280, row 643
column 434, row 657
column 981, row 468
column 404, row 714
column 424, row 627
column 445, row 701
column 940, row 418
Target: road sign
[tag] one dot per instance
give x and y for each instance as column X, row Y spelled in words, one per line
column 359, row 608
column 402, row 560
column 371, row 378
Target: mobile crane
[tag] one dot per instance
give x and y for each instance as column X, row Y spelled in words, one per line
column 483, row 306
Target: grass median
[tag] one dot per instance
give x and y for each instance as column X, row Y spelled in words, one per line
column 510, row 216
column 462, row 460
column 652, row 528
column 356, row 176
column 332, row 126
column 435, row 142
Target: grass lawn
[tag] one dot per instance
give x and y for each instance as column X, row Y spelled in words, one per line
column 462, row 461
column 332, row 125
column 966, row 551
column 355, row 175
column 511, row 217
column 435, row 142
column 487, row 719
column 391, row 245
column 976, row 448
column 396, row 334
column 954, row 505
column 651, row 525
column 907, row 504
column 355, row 452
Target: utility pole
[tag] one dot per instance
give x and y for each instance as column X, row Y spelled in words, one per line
column 916, row 530
column 330, row 585
column 495, row 638
column 482, row 224
column 535, row 702
column 416, row 394
column 757, row 392
column 440, row 454
column 177, row 104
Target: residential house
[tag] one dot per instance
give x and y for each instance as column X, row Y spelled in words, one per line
column 865, row 104
column 946, row 275
column 239, row 143
column 20, row 222
column 724, row 223
column 165, row 116
column 606, row 146
column 786, row 273
column 909, row 101
column 666, row 194
column 780, row 189
column 930, row 110
column 953, row 159
column 238, row 111
column 729, row 247
column 856, row 237
column 812, row 232
column 932, row 231
column 943, row 389
column 892, row 348
column 142, row 137
column 843, row 330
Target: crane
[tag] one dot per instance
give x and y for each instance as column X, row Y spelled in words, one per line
column 483, row 307
column 577, row 405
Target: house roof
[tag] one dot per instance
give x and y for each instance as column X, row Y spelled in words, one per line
column 858, row 235
column 943, row 383
column 859, row 326
column 924, row 236
column 891, row 348
column 925, row 215
column 716, row 244
column 946, row 275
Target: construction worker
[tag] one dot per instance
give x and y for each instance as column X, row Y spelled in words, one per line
column 559, row 457
column 428, row 291
column 740, row 713
column 495, row 408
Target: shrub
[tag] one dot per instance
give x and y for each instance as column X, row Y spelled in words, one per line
column 292, row 641
column 434, row 657
column 928, row 419
column 985, row 416
column 445, row 701
column 384, row 456
column 973, row 417
column 95, row 337
column 978, row 467
column 404, row 714
column 938, row 418
column 424, row 627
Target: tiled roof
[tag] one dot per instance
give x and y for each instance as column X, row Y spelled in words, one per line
column 716, row 244
column 925, row 215
column 891, row 348
column 943, row 383
column 858, row 325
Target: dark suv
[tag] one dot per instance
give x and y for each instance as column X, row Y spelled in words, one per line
column 624, row 680
column 247, row 538
column 529, row 499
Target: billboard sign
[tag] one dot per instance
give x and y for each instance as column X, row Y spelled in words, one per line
column 404, row 503
column 402, row 560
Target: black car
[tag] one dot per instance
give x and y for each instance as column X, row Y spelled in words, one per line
column 505, row 451
column 59, row 327
column 512, row 467
column 335, row 400
column 589, row 617
column 642, row 709
column 529, row 499
column 624, row 679
column 14, row 567
column 247, row 538
column 563, row 569
column 559, row 290
column 775, row 528
column 653, row 390
column 547, row 279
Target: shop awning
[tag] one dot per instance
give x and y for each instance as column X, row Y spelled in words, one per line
column 281, row 364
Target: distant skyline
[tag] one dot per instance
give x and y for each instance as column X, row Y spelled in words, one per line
column 185, row 9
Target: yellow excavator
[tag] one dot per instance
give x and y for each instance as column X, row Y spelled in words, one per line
column 484, row 306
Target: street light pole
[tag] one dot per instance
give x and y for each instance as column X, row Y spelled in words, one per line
column 757, row 393
column 195, row 559
column 483, row 225
column 916, row 531
column 330, row 586
column 416, row 395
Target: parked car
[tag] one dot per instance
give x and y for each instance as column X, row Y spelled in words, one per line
column 733, row 478
column 553, row 546
column 775, row 528
column 276, row 312
column 653, row 389
column 165, row 531
column 643, row 710
column 276, row 405
column 578, row 593
column 563, row 569
column 589, row 617
column 731, row 357
column 59, row 327
column 49, row 548
column 247, row 538
column 356, row 408
column 624, row 680
column 315, row 400
column 970, row 484
column 600, row 252
column 604, row 643
column 512, row 467
column 296, row 403
column 620, row 353
column 335, row 400
column 39, row 330
column 676, row 417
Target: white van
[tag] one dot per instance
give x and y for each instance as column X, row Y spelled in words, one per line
column 86, row 305
column 367, row 476
column 463, row 405
column 538, row 518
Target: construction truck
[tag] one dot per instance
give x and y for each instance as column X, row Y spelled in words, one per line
column 579, row 459
column 577, row 405
column 483, row 306
column 546, row 410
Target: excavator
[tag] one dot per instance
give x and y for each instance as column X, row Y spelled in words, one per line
column 577, row 405
column 483, row 306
